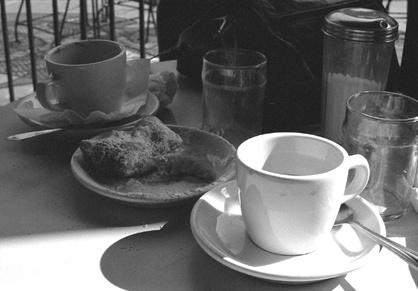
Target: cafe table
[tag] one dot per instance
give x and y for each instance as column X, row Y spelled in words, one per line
column 55, row 234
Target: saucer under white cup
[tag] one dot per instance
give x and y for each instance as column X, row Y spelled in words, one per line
column 217, row 225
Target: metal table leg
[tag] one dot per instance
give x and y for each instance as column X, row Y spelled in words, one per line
column 6, row 51
column 57, row 37
column 112, row 19
column 141, row 29
column 83, row 19
column 31, row 43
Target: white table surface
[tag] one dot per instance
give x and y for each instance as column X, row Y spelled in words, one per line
column 57, row 235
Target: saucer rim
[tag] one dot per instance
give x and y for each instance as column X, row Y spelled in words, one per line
column 149, row 108
column 217, row 251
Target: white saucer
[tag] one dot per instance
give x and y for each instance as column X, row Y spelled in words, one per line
column 159, row 192
column 218, row 228
column 149, row 108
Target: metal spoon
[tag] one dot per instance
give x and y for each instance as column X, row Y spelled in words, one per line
column 346, row 215
column 30, row 134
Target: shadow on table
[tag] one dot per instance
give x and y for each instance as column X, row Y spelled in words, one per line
column 178, row 263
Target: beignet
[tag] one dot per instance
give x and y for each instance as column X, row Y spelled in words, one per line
column 127, row 153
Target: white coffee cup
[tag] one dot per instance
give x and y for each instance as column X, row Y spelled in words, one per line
column 291, row 186
column 84, row 76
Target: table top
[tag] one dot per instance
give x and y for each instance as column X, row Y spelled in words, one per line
column 55, row 234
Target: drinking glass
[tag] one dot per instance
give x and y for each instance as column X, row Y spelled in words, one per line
column 382, row 126
column 233, row 92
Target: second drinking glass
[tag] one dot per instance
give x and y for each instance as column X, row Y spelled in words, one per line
column 233, row 92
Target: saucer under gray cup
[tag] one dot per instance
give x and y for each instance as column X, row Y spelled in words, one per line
column 383, row 127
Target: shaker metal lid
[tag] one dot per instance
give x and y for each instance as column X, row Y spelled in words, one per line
column 361, row 24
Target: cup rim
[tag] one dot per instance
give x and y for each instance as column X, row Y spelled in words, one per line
column 53, row 50
column 260, row 64
column 292, row 177
column 381, row 119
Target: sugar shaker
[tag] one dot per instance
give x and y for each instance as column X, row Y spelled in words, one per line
column 357, row 53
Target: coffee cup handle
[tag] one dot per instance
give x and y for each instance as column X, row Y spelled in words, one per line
column 361, row 176
column 45, row 94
